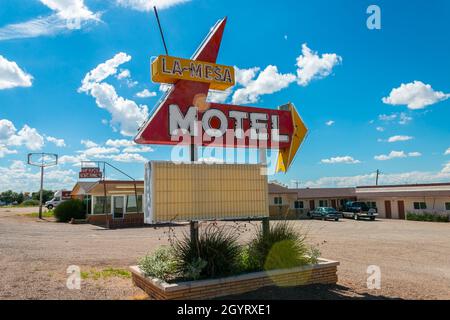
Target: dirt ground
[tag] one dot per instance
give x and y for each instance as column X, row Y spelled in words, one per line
column 34, row 256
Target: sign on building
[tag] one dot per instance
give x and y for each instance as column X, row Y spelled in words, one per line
column 90, row 173
column 186, row 192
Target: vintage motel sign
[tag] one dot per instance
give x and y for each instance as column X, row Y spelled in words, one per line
column 185, row 110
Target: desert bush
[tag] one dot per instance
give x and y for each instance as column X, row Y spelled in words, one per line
column 216, row 253
column 281, row 248
column 161, row 264
column 30, row 203
column 426, row 216
column 67, row 210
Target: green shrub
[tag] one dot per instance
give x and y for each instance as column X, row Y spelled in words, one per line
column 429, row 217
column 161, row 264
column 67, row 210
column 30, row 203
column 215, row 255
column 281, row 248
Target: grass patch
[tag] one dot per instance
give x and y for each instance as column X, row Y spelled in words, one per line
column 48, row 214
column 105, row 274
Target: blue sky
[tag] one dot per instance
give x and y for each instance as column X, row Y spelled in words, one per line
column 372, row 99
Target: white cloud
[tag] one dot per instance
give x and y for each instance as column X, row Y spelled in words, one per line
column 97, row 152
column 58, row 142
column 124, row 113
column 414, row 154
column 446, row 168
column 124, row 74
column 76, row 160
column 344, row 159
column 330, row 123
column 120, row 143
column 404, row 118
column 19, row 177
column 127, row 158
column 12, row 76
column 28, row 137
column 390, row 156
column 89, row 143
column 5, row 151
column 385, row 117
column 268, row 81
column 137, row 149
column 146, row 94
column 400, row 138
column 67, row 15
column 397, row 155
column 380, row 129
column 103, row 71
column 415, row 95
column 393, row 178
column 147, row 5
column 447, row 152
column 311, row 66
column 7, row 130
column 217, row 96
column 245, row 76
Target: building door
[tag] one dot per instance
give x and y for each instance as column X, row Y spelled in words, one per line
column 119, row 207
column 401, row 209
column 388, row 209
column 312, row 206
column 333, row 203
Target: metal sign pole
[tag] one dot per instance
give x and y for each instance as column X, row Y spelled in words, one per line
column 41, row 192
column 47, row 160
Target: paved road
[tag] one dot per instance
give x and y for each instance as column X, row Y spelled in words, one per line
column 413, row 257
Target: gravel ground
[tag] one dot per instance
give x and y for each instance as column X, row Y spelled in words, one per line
column 34, row 256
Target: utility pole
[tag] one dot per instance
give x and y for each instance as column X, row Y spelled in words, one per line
column 297, row 183
column 378, row 175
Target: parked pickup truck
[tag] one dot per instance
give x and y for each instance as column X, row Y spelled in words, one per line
column 358, row 210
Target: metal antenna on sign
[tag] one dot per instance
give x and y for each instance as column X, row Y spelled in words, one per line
column 161, row 30
column 46, row 160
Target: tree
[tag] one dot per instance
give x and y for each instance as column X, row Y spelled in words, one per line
column 8, row 196
column 46, row 195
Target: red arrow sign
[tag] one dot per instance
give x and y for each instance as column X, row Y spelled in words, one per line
column 184, row 111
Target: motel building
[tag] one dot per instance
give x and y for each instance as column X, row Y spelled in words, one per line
column 391, row 201
column 111, row 202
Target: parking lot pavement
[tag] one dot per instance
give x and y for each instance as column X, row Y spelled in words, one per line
column 413, row 258
column 14, row 211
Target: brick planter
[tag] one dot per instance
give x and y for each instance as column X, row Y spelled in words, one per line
column 322, row 273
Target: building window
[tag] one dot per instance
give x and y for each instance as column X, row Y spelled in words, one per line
column 323, row 203
column 100, row 207
column 371, row 204
column 131, row 204
column 447, row 206
column 298, row 204
column 420, row 205
column 278, row 200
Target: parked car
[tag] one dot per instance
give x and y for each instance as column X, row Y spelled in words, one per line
column 359, row 210
column 2, row 203
column 58, row 198
column 325, row 213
